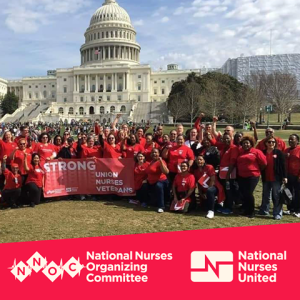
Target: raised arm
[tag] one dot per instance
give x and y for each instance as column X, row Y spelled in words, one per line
column 25, row 162
column 163, row 167
column 115, row 122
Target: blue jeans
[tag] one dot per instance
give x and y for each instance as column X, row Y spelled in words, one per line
column 211, row 194
column 160, row 193
column 273, row 188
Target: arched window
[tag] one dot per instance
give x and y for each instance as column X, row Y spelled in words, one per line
column 81, row 110
column 112, row 109
column 92, row 110
column 61, row 110
column 106, row 34
column 45, row 94
column 71, row 111
column 123, row 108
column 102, row 110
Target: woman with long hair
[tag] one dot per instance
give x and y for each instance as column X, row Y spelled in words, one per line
column 7, row 146
column 111, row 149
column 58, row 143
column 35, row 180
column 44, row 148
column 273, row 176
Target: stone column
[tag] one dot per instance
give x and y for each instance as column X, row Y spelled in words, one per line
column 78, row 84
column 124, row 75
column 74, row 88
column 127, row 81
column 97, row 83
column 104, row 83
column 109, row 52
column 116, row 81
column 85, row 83
column 89, row 83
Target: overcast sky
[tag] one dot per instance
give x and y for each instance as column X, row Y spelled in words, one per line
column 38, row 35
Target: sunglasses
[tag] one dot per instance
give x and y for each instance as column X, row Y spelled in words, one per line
column 111, row 138
column 22, row 144
column 44, row 137
column 271, row 142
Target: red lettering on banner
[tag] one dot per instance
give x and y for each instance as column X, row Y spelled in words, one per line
column 86, row 176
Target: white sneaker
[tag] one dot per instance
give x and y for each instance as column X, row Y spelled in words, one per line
column 82, row 197
column 160, row 210
column 286, row 212
column 210, row 214
column 297, row 215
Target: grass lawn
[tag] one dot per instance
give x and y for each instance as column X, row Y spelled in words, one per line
column 76, row 219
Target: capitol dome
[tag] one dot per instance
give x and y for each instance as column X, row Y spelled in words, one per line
column 110, row 37
column 110, row 11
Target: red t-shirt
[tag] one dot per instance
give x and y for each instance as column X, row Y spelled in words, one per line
column 7, row 149
column 229, row 156
column 12, row 181
column 142, row 141
column 91, row 152
column 35, row 175
column 19, row 159
column 280, row 145
column 111, row 152
column 184, row 183
column 177, row 155
column 293, row 161
column 140, row 175
column 44, row 150
column 208, row 169
column 154, row 172
column 270, row 167
column 249, row 163
column 132, row 151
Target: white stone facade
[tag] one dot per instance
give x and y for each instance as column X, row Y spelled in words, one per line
column 3, row 87
column 109, row 81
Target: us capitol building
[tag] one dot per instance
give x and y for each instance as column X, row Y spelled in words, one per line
column 109, row 81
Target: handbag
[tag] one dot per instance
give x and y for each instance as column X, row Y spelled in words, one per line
column 286, row 196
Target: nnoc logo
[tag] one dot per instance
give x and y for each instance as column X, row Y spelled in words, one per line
column 36, row 263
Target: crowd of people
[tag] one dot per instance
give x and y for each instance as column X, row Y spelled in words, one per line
column 202, row 167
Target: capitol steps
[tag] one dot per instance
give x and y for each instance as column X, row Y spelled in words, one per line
column 155, row 112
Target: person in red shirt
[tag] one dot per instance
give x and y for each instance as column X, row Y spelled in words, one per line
column 44, row 149
column 13, row 183
column 176, row 156
column 270, row 133
column 293, row 174
column 184, row 187
column 273, row 176
column 158, row 183
column 110, row 148
column 227, row 174
column 18, row 156
column 35, row 180
column 140, row 135
column 149, row 146
column 68, row 151
column 90, row 151
column 140, row 179
column 173, row 136
column 24, row 134
column 7, row 146
column 58, row 143
column 205, row 176
column 249, row 165
column 157, row 138
column 132, row 148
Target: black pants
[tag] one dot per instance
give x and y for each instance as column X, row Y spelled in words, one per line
column 247, row 188
column 294, row 186
column 34, row 193
column 228, row 203
column 11, row 196
column 143, row 194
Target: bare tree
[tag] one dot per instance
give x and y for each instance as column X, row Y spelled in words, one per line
column 176, row 106
column 192, row 97
column 282, row 92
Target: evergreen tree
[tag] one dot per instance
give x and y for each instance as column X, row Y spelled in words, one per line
column 9, row 104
